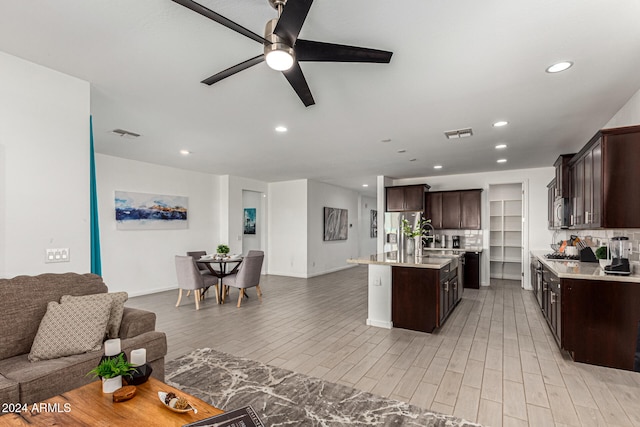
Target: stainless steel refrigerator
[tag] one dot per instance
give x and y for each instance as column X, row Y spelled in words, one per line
column 393, row 227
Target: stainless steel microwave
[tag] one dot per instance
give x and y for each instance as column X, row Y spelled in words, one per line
column 561, row 213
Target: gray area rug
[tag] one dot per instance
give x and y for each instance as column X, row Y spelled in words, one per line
column 284, row 398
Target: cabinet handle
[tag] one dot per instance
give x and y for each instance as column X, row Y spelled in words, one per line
column 553, row 297
column 446, row 286
column 586, row 217
column 571, row 216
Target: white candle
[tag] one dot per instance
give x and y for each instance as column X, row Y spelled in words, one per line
column 139, row 357
column 112, row 347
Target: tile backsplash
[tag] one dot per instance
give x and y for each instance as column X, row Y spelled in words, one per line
column 603, row 236
column 468, row 238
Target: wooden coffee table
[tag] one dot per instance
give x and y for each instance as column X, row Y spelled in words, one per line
column 88, row 406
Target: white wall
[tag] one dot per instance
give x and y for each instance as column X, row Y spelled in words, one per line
column 142, row 261
column 367, row 244
column 287, row 224
column 535, row 204
column 325, row 257
column 44, row 168
column 253, row 199
column 629, row 114
column 232, row 213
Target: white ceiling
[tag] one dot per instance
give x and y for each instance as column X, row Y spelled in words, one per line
column 456, row 64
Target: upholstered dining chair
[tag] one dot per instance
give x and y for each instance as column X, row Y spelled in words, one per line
column 247, row 275
column 189, row 278
column 202, row 267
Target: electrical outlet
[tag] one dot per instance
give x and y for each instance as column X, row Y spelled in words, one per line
column 57, row 255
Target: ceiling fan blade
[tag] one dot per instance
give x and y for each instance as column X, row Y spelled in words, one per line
column 198, row 8
column 291, row 20
column 299, row 84
column 307, row 50
column 232, row 70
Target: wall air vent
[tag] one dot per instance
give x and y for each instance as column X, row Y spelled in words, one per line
column 125, row 133
column 460, row 133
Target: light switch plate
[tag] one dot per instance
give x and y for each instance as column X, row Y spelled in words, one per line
column 57, row 255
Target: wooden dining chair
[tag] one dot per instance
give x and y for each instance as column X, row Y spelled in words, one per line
column 247, row 275
column 189, row 278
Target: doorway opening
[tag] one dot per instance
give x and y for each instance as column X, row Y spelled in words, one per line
column 506, row 233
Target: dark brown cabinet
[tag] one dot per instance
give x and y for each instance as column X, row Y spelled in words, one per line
column 423, row 298
column 472, row 270
column 470, row 203
column 433, row 201
column 551, row 198
column 406, row 198
column 602, row 176
column 596, row 321
column 563, row 175
column 451, row 210
column 454, row 210
column 601, row 321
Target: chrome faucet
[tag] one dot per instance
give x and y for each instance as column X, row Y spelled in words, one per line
column 425, row 239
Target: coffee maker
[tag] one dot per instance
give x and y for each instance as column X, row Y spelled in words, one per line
column 619, row 248
column 455, row 242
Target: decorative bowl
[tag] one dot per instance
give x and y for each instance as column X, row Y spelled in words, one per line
column 162, row 396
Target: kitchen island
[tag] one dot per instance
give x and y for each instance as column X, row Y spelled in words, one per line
column 416, row 293
column 594, row 316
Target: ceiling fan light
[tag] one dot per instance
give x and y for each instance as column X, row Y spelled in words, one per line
column 279, row 60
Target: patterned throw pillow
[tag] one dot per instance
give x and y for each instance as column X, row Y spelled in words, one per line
column 117, row 308
column 74, row 327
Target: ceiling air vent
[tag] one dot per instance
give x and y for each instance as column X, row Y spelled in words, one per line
column 460, row 133
column 125, row 133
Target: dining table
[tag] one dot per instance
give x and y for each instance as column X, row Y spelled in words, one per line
column 223, row 262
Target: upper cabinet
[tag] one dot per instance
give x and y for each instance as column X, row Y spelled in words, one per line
column 563, row 176
column 433, row 201
column 454, row 210
column 603, row 174
column 406, row 198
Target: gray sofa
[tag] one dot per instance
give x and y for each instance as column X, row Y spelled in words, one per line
column 23, row 304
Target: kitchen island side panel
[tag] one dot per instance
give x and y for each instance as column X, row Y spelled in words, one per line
column 414, row 298
column 379, row 293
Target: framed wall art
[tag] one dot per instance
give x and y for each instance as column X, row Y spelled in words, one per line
column 142, row 211
column 336, row 224
column 249, row 223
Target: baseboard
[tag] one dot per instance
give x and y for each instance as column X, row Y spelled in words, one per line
column 152, row 291
column 333, row 270
column 380, row 324
column 308, row 276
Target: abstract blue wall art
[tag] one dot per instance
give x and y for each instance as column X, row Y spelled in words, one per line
column 142, row 211
column 249, row 220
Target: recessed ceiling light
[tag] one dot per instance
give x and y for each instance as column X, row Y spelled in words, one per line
column 386, row 140
column 502, row 160
column 281, row 129
column 365, row 185
column 185, row 152
column 500, row 124
column 402, row 150
column 560, row 66
column 437, row 167
column 413, row 160
column 501, row 146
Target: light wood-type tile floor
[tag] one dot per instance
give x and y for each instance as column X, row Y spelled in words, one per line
column 494, row 362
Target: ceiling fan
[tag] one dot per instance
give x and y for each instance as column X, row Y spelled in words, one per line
column 283, row 50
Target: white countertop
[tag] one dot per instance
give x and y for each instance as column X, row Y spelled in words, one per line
column 391, row 258
column 581, row 270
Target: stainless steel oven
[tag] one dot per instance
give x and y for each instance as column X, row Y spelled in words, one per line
column 536, row 279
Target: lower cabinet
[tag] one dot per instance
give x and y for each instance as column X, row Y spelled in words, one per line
column 423, row 298
column 472, row 270
column 595, row 321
